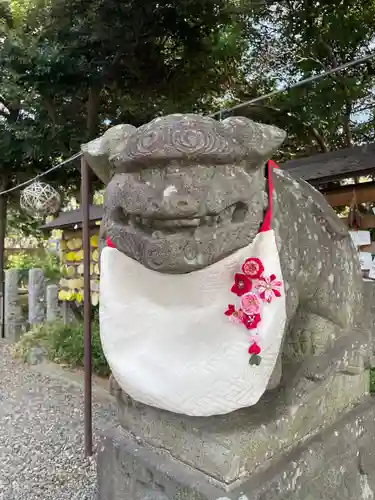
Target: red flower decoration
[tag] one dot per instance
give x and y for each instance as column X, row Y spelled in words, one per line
column 251, row 293
column 238, row 317
column 109, row 242
column 231, row 310
column 251, row 322
column 269, row 288
column 254, row 349
column 242, row 284
column 253, row 268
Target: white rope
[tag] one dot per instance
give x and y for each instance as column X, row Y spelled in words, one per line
column 39, row 176
column 219, row 112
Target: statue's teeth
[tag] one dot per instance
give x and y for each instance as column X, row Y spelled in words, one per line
column 175, row 223
column 145, row 222
column 209, row 220
column 157, row 234
column 170, row 224
column 132, row 220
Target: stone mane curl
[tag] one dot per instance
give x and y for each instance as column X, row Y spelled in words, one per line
column 186, row 138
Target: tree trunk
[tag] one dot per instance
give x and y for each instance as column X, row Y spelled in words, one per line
column 349, row 143
column 93, row 104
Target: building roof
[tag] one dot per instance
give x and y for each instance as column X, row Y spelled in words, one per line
column 73, row 218
column 334, row 165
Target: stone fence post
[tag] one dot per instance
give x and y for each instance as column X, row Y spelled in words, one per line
column 52, row 303
column 14, row 320
column 37, row 298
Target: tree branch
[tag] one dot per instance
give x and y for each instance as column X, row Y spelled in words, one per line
column 346, row 125
column 314, row 133
column 93, row 103
column 50, row 106
column 14, row 109
column 348, row 103
column 319, row 139
column 329, row 50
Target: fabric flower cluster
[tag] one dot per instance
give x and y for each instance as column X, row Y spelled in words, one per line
column 253, row 288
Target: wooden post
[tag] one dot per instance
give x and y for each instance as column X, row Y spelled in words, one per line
column 365, row 192
column 3, row 223
column 85, row 207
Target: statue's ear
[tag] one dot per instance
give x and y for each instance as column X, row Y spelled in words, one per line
column 261, row 140
column 98, row 151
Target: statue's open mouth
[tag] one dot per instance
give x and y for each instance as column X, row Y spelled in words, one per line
column 235, row 214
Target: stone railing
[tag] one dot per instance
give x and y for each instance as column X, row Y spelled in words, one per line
column 24, row 309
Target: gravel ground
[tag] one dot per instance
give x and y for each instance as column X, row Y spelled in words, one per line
column 41, row 435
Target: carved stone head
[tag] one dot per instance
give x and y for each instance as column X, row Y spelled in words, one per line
column 186, row 190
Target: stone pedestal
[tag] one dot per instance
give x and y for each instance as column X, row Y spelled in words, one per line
column 336, row 463
column 156, row 452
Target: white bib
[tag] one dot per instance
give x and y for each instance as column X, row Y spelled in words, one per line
column 169, row 343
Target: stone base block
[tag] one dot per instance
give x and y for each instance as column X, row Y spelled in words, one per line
column 227, row 447
column 336, row 464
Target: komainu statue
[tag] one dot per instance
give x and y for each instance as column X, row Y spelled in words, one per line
column 219, row 267
column 222, row 279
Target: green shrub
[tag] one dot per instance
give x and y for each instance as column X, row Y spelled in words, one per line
column 24, row 261
column 372, row 380
column 64, row 344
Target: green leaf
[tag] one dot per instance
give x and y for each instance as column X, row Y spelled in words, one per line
column 255, row 360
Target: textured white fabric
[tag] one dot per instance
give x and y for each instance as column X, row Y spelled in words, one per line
column 168, row 342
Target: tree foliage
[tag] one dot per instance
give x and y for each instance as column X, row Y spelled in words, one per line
column 69, row 68
column 297, row 39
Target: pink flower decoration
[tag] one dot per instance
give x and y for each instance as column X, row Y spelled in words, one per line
column 269, row 288
column 253, row 268
column 254, row 338
column 250, row 304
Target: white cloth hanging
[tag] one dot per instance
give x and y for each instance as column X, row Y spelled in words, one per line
column 169, row 342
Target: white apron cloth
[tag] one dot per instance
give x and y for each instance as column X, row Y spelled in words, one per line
column 185, row 343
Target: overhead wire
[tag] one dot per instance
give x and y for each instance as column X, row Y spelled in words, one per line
column 294, row 85
column 220, row 112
